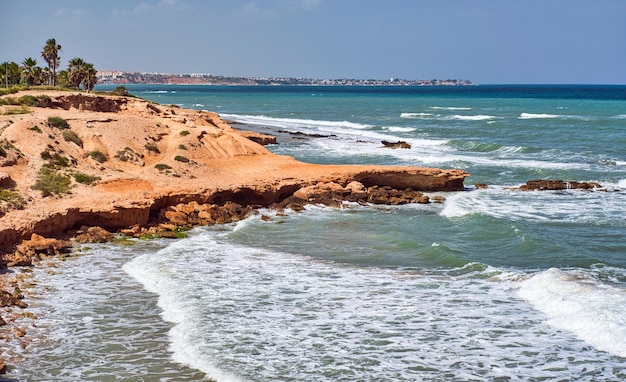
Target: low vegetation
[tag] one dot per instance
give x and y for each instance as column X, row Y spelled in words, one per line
column 152, row 147
column 86, row 179
column 98, row 156
column 181, row 158
column 71, row 136
column 162, row 166
column 10, row 200
column 36, row 129
column 58, row 122
column 52, row 183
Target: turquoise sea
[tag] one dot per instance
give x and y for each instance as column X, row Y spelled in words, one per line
column 492, row 285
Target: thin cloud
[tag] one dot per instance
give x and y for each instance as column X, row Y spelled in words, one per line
column 66, row 12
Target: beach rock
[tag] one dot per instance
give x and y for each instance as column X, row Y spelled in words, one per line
column 541, row 185
column 396, row 145
column 3, row 367
column 94, row 235
column 11, row 299
column 35, row 249
column 481, row 186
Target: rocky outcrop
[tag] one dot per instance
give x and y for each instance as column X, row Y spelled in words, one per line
column 36, row 248
column 541, row 185
column 87, row 102
column 262, row 139
column 396, row 145
column 333, row 194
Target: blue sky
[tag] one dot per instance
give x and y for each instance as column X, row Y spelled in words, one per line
column 485, row 41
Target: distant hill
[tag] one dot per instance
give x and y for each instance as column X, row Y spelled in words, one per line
column 119, row 77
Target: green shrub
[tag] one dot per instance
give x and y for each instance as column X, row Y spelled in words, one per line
column 86, row 179
column 181, row 158
column 182, row 147
column 35, row 128
column 28, row 100
column 162, row 166
column 12, row 199
column 98, row 156
column 151, row 146
column 58, row 122
column 71, row 136
column 120, row 91
column 50, row 183
column 55, row 159
column 184, row 133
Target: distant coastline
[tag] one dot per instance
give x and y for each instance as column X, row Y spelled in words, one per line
column 122, row 78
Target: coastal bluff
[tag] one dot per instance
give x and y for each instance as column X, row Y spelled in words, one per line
column 140, row 158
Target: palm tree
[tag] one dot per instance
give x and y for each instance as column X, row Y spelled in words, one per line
column 90, row 79
column 28, row 70
column 76, row 71
column 50, row 54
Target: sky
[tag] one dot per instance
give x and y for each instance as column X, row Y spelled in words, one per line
column 484, row 41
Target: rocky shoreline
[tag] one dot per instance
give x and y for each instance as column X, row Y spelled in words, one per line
column 154, row 171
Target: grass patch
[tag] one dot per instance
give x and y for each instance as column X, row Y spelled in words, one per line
column 98, row 156
column 58, row 122
column 162, row 166
column 184, row 133
column 71, row 136
column 86, row 179
column 36, row 129
column 50, row 183
column 15, row 111
column 181, row 158
column 182, row 147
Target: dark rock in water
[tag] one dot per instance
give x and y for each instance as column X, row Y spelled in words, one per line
column 481, row 186
column 540, row 185
column 396, row 145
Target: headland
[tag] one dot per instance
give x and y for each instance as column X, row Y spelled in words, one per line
column 79, row 167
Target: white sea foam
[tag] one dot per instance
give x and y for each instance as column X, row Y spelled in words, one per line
column 449, row 108
column 576, row 302
column 398, row 129
column 419, row 115
column 292, row 123
column 479, row 117
column 266, row 315
column 571, row 206
column 539, row 116
column 442, row 117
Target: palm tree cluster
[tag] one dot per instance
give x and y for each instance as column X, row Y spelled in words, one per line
column 78, row 73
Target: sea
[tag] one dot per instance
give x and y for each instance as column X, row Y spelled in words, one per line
column 493, row 284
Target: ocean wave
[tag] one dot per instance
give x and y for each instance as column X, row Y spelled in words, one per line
column 479, row 117
column 539, row 116
column 592, row 208
column 441, row 117
column 293, row 122
column 575, row 301
column 398, row 129
column 449, row 108
column 419, row 115
column 157, row 91
column 554, row 116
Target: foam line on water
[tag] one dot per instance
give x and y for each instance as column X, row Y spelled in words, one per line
column 576, row 302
